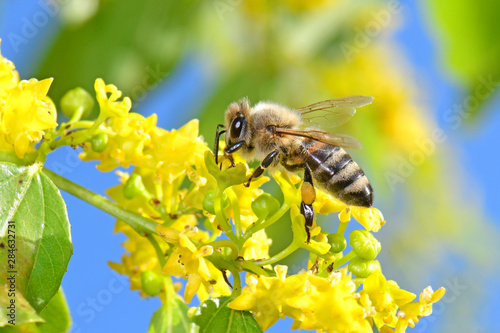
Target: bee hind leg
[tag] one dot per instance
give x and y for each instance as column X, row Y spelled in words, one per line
column 308, row 196
column 270, row 159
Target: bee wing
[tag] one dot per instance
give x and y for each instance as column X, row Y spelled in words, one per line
column 333, row 112
column 335, row 139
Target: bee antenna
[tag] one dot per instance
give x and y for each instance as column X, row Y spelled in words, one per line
column 244, row 103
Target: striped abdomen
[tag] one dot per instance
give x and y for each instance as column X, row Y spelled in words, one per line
column 334, row 170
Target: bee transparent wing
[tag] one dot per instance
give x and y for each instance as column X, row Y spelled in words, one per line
column 335, row 139
column 333, row 112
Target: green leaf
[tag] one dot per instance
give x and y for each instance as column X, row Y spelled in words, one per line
column 468, row 40
column 171, row 317
column 56, row 315
column 215, row 317
column 41, row 229
column 24, row 313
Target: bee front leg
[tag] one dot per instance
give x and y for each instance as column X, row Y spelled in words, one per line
column 270, row 159
column 229, row 150
column 308, row 196
column 218, row 133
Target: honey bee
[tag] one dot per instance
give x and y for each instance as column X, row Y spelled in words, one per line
column 300, row 139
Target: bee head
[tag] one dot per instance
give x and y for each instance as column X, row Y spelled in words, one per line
column 236, row 121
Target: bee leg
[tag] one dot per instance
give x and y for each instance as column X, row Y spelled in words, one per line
column 293, row 167
column 231, row 149
column 217, row 138
column 271, row 158
column 308, row 196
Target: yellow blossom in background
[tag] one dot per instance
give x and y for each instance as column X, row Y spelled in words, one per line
column 305, row 5
column 397, row 116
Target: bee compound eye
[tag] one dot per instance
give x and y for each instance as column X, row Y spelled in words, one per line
column 237, row 127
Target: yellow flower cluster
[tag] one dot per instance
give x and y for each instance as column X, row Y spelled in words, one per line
column 26, row 101
column 332, row 304
column 163, row 159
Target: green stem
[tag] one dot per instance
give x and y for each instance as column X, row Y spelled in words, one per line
column 283, row 254
column 142, row 225
column 77, row 137
column 226, row 243
column 342, row 261
column 221, row 217
column 77, row 114
column 236, row 283
column 341, row 228
column 158, row 250
column 170, row 293
column 253, row 268
column 236, row 209
column 259, row 226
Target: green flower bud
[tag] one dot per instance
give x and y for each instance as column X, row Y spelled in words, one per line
column 151, row 282
column 134, row 186
column 99, row 142
column 208, row 202
column 74, row 99
column 362, row 268
column 364, row 244
column 265, row 205
column 338, row 243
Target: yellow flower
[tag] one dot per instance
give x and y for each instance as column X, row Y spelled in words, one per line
column 140, row 204
column 110, row 106
column 306, row 5
column 246, row 195
column 140, row 256
column 267, row 297
column 257, row 246
column 410, row 313
column 128, row 137
column 385, row 296
column 9, row 78
column 174, row 151
column 328, row 304
column 26, row 113
column 202, row 181
column 186, row 260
